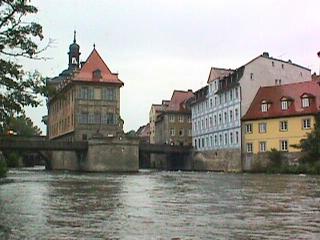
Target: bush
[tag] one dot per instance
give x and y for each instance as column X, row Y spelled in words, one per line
column 13, row 159
column 276, row 158
column 3, row 168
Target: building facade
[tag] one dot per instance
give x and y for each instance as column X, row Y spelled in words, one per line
column 216, row 119
column 86, row 102
column 154, row 112
column 280, row 116
column 173, row 124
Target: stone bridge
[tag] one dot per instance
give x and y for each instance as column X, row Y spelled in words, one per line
column 172, row 155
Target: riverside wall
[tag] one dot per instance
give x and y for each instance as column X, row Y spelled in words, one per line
column 115, row 154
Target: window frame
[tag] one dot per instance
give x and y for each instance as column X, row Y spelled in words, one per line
column 281, row 126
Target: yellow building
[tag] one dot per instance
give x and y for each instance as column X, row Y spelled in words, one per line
column 279, row 117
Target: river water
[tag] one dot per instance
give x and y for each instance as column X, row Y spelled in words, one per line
column 159, row 205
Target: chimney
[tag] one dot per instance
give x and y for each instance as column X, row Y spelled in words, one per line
column 265, row 54
column 190, row 90
column 289, row 61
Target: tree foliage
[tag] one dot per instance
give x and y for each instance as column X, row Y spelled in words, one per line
column 18, row 39
column 23, row 126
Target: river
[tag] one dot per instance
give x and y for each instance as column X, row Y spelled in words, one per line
column 159, row 205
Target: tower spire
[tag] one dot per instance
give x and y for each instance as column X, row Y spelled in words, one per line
column 74, row 36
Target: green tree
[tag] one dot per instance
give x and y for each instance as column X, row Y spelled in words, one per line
column 18, row 38
column 23, row 126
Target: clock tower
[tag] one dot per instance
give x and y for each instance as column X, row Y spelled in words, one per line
column 74, row 54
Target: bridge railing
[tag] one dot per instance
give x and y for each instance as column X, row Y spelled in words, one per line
column 33, row 143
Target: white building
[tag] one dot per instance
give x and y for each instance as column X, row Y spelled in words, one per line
column 218, row 107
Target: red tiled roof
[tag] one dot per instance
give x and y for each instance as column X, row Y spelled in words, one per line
column 218, row 73
column 293, row 92
column 93, row 63
column 178, row 101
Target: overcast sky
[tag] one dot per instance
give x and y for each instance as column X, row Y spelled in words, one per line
column 159, row 46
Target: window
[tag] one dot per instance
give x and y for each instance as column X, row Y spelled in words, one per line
column 237, row 137
column 231, row 138
column 199, row 143
column 172, row 132
column 195, row 143
column 210, row 121
column 215, row 119
column 283, row 126
column 97, row 118
column 220, row 139
column 264, row 107
column 215, row 140
column 249, row 148
column 262, row 146
column 231, row 96
column 206, row 122
column 231, row 115
column 225, row 97
column 109, row 94
column 109, row 118
column 236, row 113
column 237, row 93
column 226, row 139
column 215, row 100
column 181, row 132
column 225, row 117
column 90, row 93
column 202, row 142
column 211, row 103
column 96, row 75
column 282, row 66
column 284, row 145
column 305, row 102
column 202, row 124
column 248, row 128
column 251, row 76
column 83, row 117
column 84, row 137
column 84, row 93
column 180, row 117
column 189, row 119
column 272, row 63
column 306, row 123
column 220, row 118
column 284, row 105
column 262, row 127
column 211, row 141
column 171, row 118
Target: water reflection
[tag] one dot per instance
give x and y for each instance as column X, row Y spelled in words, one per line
column 159, row 205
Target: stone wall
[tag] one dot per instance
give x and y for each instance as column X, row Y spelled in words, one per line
column 261, row 161
column 63, row 160
column 220, row 160
column 112, row 154
column 103, row 155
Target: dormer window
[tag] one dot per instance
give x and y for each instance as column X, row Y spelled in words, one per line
column 284, row 105
column 264, row 106
column 305, row 102
column 96, row 74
